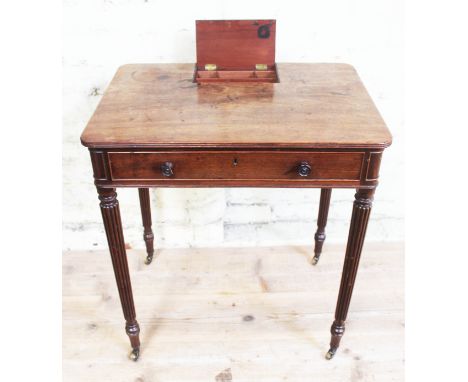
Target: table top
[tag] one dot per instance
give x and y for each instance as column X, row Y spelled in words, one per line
column 313, row 106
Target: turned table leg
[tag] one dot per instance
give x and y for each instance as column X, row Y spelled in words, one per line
column 357, row 231
column 148, row 235
column 113, row 226
column 320, row 236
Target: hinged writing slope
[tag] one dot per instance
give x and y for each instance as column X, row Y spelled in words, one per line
column 235, row 51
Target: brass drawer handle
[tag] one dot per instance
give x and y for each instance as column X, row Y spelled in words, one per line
column 167, row 169
column 304, row 169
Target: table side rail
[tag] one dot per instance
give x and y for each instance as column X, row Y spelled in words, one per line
column 236, row 168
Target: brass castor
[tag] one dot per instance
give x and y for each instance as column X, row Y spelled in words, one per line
column 149, row 259
column 330, row 354
column 135, row 354
column 315, row 260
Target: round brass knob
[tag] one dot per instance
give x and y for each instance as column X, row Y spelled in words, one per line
column 167, row 169
column 304, row 169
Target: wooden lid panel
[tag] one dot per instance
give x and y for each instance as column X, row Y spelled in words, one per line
column 235, row 44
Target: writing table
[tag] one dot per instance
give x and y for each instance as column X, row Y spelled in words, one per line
column 156, row 127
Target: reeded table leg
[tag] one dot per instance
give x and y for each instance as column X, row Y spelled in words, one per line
column 320, row 236
column 148, row 235
column 357, row 231
column 113, row 226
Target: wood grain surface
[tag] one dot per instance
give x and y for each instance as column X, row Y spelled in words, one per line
column 235, row 44
column 236, row 165
column 249, row 314
column 314, row 106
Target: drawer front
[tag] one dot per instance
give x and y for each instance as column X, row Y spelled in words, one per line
column 236, row 165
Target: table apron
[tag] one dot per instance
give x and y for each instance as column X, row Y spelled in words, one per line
column 328, row 169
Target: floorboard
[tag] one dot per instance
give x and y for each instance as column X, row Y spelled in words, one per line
column 234, row 314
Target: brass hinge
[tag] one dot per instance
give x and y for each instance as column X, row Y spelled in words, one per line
column 210, row 66
column 261, row 66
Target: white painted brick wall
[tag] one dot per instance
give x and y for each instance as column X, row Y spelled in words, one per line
column 101, row 35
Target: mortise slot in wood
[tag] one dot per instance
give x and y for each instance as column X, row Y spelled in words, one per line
column 236, row 76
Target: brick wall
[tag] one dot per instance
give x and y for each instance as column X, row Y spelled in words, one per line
column 101, row 35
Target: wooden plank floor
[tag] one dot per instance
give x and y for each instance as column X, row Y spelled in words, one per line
column 249, row 314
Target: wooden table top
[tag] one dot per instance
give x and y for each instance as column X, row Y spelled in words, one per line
column 313, row 106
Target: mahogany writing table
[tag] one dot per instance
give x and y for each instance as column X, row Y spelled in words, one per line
column 316, row 128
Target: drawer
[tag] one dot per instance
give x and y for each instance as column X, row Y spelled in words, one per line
column 295, row 166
